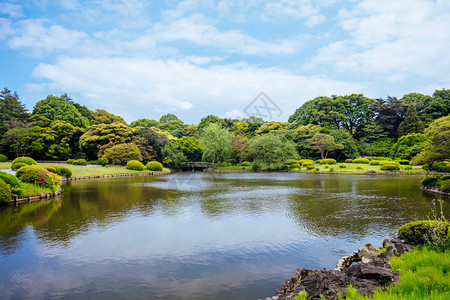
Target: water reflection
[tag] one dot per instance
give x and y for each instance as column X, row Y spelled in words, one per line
column 195, row 235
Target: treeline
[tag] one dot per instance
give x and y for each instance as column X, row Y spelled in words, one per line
column 414, row 127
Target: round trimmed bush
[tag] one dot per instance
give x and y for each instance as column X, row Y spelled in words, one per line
column 79, row 162
column 13, row 182
column 103, row 161
column 246, row 163
column 51, row 169
column 135, row 165
column 430, row 181
column 420, row 232
column 402, row 161
column 301, row 161
column 382, row 158
column 390, row 167
column 308, row 163
column 441, row 166
column 37, row 175
column 361, row 160
column 408, row 168
column 70, row 161
column 349, row 160
column 3, row 158
column 343, row 166
column 328, row 161
column 17, row 166
column 295, row 166
column 290, row 161
column 5, row 192
column 154, row 166
column 445, row 186
column 66, row 172
column 375, row 162
column 310, row 166
column 25, row 160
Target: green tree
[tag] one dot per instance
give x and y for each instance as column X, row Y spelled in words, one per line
column 66, row 140
column 120, row 154
column 323, row 111
column 271, row 148
column 173, row 157
column 389, row 114
column 11, row 109
column 144, row 123
column 191, row 148
column 209, row 119
column 439, row 135
column 168, row 118
column 101, row 116
column 60, row 108
column 323, row 142
column 241, row 145
column 154, row 137
column 269, row 126
column 344, row 138
column 356, row 110
column 411, row 123
column 175, row 127
column 421, row 102
column 216, row 143
column 409, row 146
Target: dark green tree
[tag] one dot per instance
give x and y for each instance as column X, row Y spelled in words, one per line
column 323, row 111
column 409, row 146
column 344, row 138
column 206, row 121
column 11, row 110
column 389, row 114
column 271, row 147
column 411, row 123
column 169, row 117
column 191, row 148
column 324, row 143
column 144, row 123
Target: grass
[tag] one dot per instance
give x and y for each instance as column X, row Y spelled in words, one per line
column 33, row 189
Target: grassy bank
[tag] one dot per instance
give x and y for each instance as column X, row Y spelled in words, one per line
column 33, row 189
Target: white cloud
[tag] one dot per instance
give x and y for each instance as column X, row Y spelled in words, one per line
column 315, row 20
column 13, row 10
column 395, row 39
column 235, row 114
column 143, row 87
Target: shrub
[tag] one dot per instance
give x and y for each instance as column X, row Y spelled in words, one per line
column 374, row 162
column 70, row 161
column 256, row 166
column 94, row 162
column 50, row 169
column 361, row 160
column 328, row 161
column 317, row 169
column 310, row 167
column 17, row 166
column 445, row 186
column 382, row 158
column 79, row 162
column 349, row 160
column 37, row 175
column 5, row 192
column 277, row 167
column 326, row 166
column 225, row 164
column 301, row 161
column 445, row 177
column 135, row 165
column 407, row 168
column 426, row 167
column 402, row 161
column 307, row 163
column 66, row 172
column 25, row 160
column 3, row 158
column 122, row 153
column 291, row 161
column 421, row 232
column 295, row 166
column 390, row 167
column 343, row 166
column 359, row 168
column 13, row 182
column 154, row 166
column 430, row 181
column 246, row 163
column 441, row 166
column 331, row 169
column 103, row 161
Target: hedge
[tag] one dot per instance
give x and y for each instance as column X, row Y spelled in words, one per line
column 5, row 192
column 361, row 160
column 135, row 165
column 390, row 167
column 3, row 158
column 381, row 158
column 79, row 162
column 328, row 161
column 154, row 166
column 25, row 160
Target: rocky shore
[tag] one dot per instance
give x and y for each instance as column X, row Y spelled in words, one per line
column 366, row 269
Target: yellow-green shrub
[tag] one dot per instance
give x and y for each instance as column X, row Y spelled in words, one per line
column 420, row 232
column 5, row 192
column 154, row 166
column 361, row 160
column 135, row 165
column 38, row 175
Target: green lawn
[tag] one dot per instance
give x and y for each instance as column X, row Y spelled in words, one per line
column 360, row 168
column 84, row 170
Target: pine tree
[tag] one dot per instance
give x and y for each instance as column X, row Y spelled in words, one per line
column 11, row 110
column 411, row 123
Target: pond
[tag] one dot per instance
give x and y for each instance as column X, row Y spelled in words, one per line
column 196, row 235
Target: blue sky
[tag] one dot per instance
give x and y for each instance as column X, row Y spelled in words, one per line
column 142, row 59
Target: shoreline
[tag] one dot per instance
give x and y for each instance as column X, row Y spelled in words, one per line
column 325, row 173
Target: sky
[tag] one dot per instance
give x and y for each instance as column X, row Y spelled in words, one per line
column 143, row 59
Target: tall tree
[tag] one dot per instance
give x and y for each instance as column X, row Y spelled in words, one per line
column 323, row 142
column 216, row 143
column 411, row 123
column 209, row 119
column 272, row 147
column 168, row 118
column 11, row 109
column 323, row 111
column 241, row 145
column 389, row 114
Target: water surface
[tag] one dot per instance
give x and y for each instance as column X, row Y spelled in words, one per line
column 195, row 235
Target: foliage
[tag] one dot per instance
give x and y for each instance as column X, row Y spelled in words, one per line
column 329, row 161
column 103, row 161
column 70, row 161
column 38, row 175
column 389, row 114
column 190, row 147
column 409, row 146
column 17, row 166
column 246, row 164
column 206, row 121
column 173, row 156
column 361, row 160
column 11, row 110
column 323, row 142
column 343, row 166
column 154, row 166
column 441, row 166
column 217, row 143
column 13, row 182
column 269, row 126
column 5, row 192
column 25, row 160
column 60, row 108
column 51, row 169
column 120, row 154
column 79, row 162
column 144, row 123
column 101, row 116
column 349, row 160
column 168, row 118
column 3, row 158
column 256, row 166
column 390, row 167
column 430, row 180
column 411, row 123
column 439, row 135
column 271, row 147
column 344, row 138
column 422, row 232
column 240, row 147
column 402, row 161
column 135, row 165
column 155, row 137
column 445, row 186
column 64, row 171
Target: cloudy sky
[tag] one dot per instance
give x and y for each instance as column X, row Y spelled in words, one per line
column 142, row 59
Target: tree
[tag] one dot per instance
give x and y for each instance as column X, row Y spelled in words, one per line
column 421, row 102
column 209, row 119
column 11, row 109
column 241, row 145
column 344, row 138
column 409, row 146
column 175, row 127
column 216, row 143
column 154, row 137
column 439, row 135
column 272, row 147
column 60, row 108
column 168, row 118
column 323, row 111
column 356, row 111
column 144, row 123
column 173, row 157
column 66, row 140
column 120, row 154
column 411, row 123
column 191, row 148
column 101, row 116
column 269, row 126
column 323, row 142
column 389, row 114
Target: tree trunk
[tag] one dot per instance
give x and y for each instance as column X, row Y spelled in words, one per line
column 321, row 153
column 326, row 154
